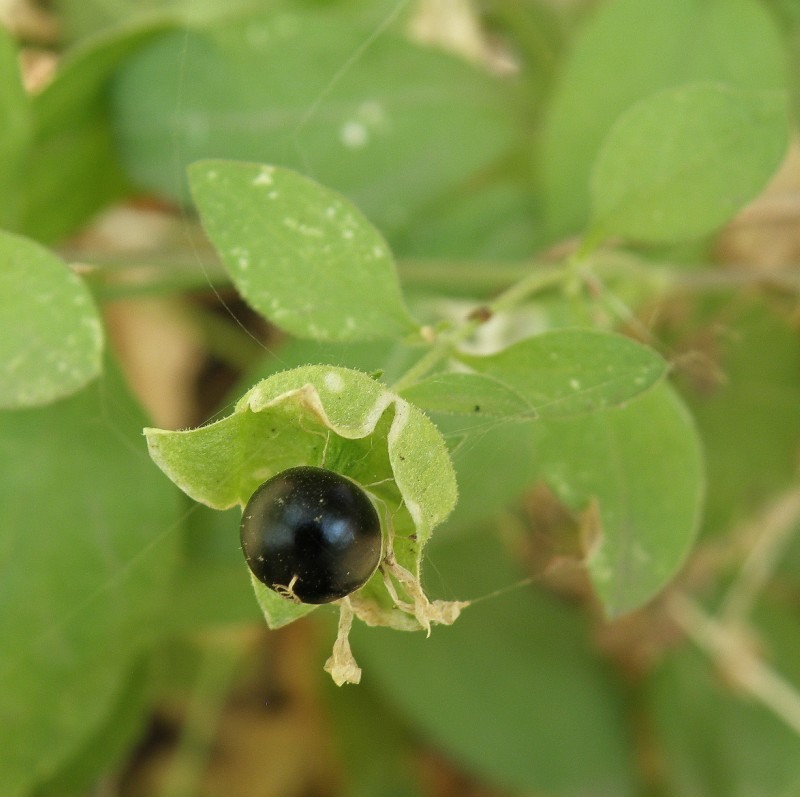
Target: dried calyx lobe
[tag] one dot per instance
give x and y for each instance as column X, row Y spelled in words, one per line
column 311, row 534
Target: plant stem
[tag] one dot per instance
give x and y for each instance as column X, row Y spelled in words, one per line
column 170, row 271
column 740, row 663
column 218, row 668
column 448, row 341
column 772, row 532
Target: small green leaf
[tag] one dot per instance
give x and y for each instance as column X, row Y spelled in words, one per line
column 52, row 336
column 478, row 395
column 300, row 254
column 629, row 50
column 335, row 418
column 572, row 371
column 680, row 163
column 643, row 466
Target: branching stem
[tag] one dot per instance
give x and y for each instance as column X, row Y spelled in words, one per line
column 449, row 340
column 730, row 649
column 772, row 532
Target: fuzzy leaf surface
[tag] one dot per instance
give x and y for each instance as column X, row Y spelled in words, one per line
column 328, row 417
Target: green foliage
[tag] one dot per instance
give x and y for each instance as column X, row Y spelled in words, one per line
column 572, row 372
column 72, row 169
column 270, row 225
column 52, row 341
column 469, row 394
column 109, row 742
column 630, row 50
column 643, row 466
column 329, row 417
column 745, row 406
column 396, row 130
column 716, row 148
column 88, row 551
column 523, row 449
column 717, row 744
column 15, row 133
column 521, row 659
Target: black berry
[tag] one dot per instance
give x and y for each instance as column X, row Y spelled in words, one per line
column 311, row 534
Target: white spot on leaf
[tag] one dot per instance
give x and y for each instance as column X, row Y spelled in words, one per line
column 354, row 135
column 264, row 177
column 334, row 382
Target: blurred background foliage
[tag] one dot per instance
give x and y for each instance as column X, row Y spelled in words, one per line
column 466, row 132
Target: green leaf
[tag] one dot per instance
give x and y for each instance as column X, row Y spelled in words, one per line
column 53, row 339
column 629, row 50
column 643, row 465
column 521, row 659
column 324, row 416
column 15, row 131
column 469, row 394
column 392, row 125
column 680, row 163
column 494, row 459
column 73, row 167
column 300, row 254
column 572, row 371
column 87, row 555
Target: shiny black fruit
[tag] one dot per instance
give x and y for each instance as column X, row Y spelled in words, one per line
column 311, row 534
